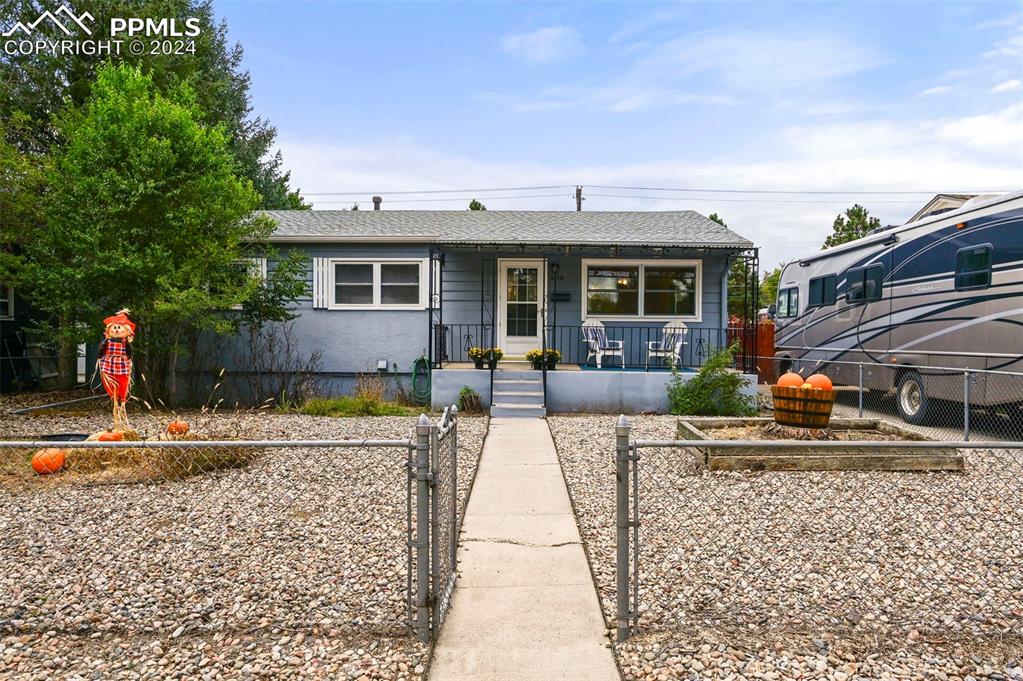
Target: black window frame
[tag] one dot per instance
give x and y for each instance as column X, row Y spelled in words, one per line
column 988, row 250
column 790, row 309
column 829, row 285
column 865, row 276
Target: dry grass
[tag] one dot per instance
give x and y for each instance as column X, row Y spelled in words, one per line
column 125, row 465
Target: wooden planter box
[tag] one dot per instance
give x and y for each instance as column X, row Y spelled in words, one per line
column 805, row 456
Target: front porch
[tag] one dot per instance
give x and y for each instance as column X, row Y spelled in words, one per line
column 617, row 319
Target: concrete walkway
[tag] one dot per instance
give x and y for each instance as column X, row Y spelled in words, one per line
column 525, row 606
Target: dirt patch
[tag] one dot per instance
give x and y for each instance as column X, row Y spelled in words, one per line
column 767, row 432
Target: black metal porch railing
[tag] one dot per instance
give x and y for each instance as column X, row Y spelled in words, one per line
column 454, row 341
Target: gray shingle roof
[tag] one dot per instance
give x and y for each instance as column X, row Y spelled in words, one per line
column 674, row 228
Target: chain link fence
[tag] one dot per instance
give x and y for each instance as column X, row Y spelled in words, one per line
column 179, row 538
column 871, row 557
column 940, row 402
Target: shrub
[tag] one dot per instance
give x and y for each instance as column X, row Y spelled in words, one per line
column 354, row 405
column 469, row 401
column 715, row 390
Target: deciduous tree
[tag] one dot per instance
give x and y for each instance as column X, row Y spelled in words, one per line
column 146, row 210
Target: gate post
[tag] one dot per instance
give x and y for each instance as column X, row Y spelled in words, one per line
column 622, row 430
column 454, row 488
column 423, row 430
column 966, row 405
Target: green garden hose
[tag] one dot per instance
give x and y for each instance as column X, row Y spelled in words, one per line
column 421, row 380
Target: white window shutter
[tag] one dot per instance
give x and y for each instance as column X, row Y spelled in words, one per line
column 321, row 283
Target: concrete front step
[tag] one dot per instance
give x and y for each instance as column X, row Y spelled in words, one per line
column 505, row 396
column 499, row 410
column 517, row 384
column 524, row 374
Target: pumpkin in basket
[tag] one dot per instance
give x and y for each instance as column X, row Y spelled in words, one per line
column 790, row 380
column 47, row 461
column 820, row 382
column 111, row 436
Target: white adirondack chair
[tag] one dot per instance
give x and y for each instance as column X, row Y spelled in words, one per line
column 598, row 346
column 673, row 339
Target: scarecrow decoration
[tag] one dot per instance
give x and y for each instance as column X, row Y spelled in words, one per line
column 114, row 364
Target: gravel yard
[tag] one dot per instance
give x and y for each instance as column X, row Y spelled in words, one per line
column 292, row 567
column 835, row 575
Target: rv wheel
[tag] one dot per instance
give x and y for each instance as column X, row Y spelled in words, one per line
column 912, row 398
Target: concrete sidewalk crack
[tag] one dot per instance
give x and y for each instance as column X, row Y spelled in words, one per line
column 495, row 540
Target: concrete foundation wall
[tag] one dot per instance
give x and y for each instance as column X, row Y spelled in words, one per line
column 447, row 383
column 600, row 392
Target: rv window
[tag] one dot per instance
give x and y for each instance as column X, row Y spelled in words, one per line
column 973, row 267
column 864, row 284
column 788, row 302
column 822, row 290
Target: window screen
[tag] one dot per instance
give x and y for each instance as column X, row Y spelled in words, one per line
column 669, row 291
column 864, row 284
column 973, row 267
column 822, row 290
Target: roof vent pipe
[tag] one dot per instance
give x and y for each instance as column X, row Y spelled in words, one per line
column 377, row 200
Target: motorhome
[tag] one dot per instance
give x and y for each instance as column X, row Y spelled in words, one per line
column 945, row 290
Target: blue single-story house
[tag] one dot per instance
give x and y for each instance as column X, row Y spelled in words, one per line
column 389, row 287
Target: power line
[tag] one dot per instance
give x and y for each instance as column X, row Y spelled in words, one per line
column 717, row 200
column 708, row 190
column 463, row 199
column 442, row 191
column 790, row 191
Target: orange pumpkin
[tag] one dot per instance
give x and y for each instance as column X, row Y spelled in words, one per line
column 47, row 461
column 790, row 380
column 111, row 436
column 177, row 427
column 820, row 381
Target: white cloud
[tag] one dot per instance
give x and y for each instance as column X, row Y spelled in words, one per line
column 544, row 45
column 938, row 90
column 739, row 64
column 763, row 60
column 998, row 132
column 982, row 152
column 1007, row 86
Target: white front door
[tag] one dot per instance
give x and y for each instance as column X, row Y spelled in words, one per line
column 520, row 292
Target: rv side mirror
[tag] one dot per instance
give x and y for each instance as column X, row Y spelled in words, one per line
column 772, row 309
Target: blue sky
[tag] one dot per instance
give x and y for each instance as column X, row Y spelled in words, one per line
column 805, row 95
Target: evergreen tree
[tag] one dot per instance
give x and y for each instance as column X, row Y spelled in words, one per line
column 855, row 223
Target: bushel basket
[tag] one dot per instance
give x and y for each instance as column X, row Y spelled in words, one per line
column 802, row 407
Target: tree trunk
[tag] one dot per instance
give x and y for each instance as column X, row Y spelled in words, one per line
column 172, row 371
column 67, row 356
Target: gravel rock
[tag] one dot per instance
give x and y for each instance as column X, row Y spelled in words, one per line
column 292, row 567
column 806, row 575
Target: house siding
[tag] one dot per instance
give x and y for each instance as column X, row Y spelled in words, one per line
column 353, row 340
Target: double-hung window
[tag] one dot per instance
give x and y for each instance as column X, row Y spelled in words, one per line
column 822, row 290
column 973, row 267
column 367, row 284
column 667, row 289
column 6, row 302
column 864, row 284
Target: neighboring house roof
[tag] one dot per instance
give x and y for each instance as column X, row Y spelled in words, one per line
column 634, row 228
column 941, row 203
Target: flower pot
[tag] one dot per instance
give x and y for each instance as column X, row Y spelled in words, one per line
column 479, row 363
column 538, row 364
column 492, row 364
